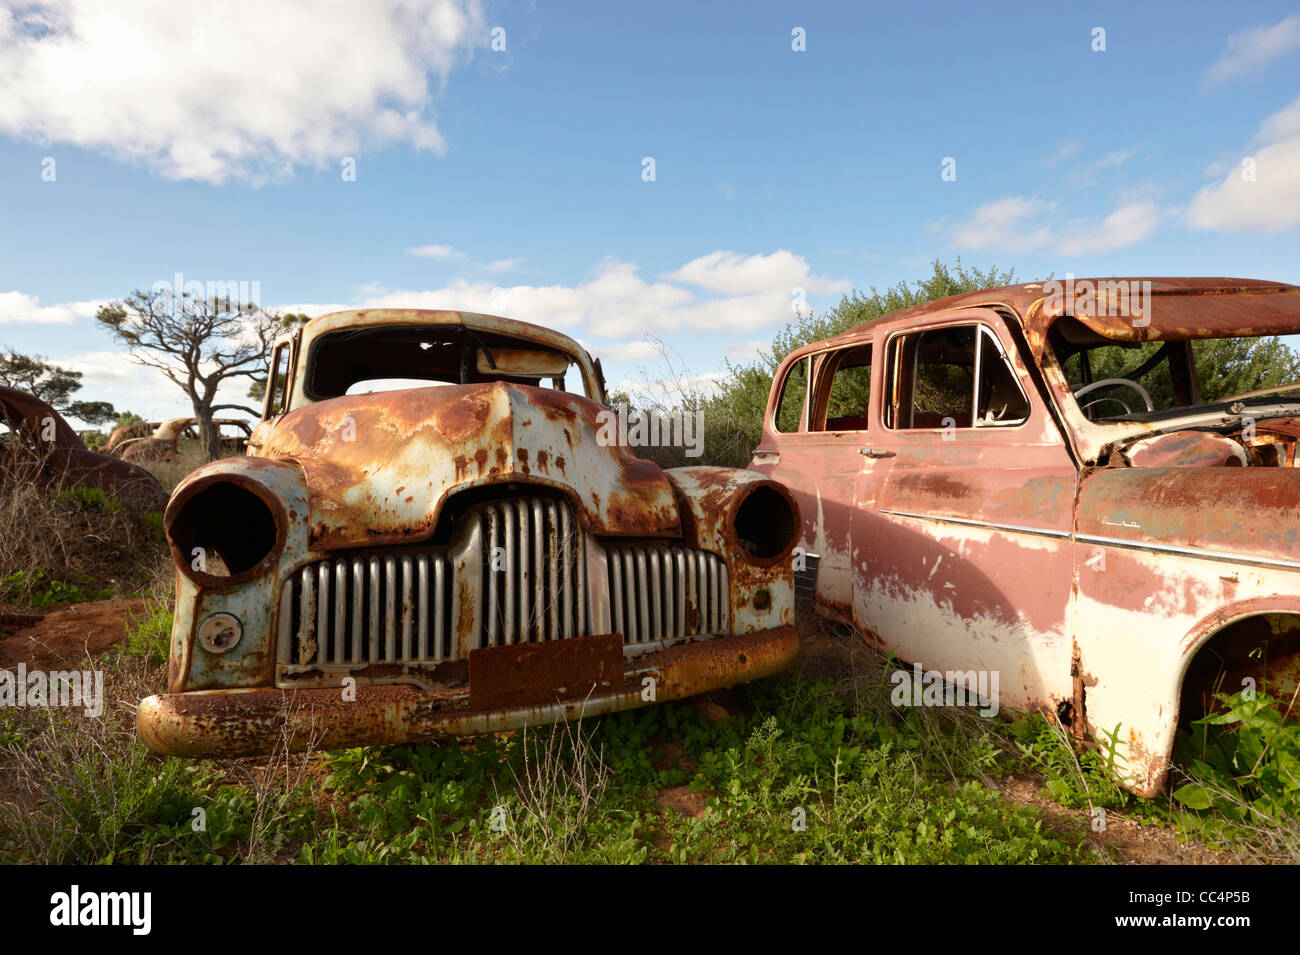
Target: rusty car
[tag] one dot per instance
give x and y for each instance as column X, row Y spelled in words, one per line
column 126, row 432
column 38, row 446
column 176, row 436
column 1054, row 482
column 430, row 537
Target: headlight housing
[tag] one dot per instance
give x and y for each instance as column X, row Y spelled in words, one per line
column 765, row 522
column 224, row 529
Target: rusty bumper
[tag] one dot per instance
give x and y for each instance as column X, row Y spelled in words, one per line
column 252, row 722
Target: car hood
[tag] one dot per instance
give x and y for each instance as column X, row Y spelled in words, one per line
column 379, row 467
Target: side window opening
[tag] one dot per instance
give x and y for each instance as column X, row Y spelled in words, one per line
column 954, row 377
column 849, row 397
column 276, row 388
column 794, row 394
column 1000, row 400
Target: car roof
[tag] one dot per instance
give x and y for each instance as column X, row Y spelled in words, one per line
column 1181, row 308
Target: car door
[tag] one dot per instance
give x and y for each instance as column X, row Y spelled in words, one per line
column 963, row 511
column 811, row 447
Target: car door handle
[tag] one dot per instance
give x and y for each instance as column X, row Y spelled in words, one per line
column 876, row 453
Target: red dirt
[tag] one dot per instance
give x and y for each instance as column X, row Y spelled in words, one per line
column 62, row 638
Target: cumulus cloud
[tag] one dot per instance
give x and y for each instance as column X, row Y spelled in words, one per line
column 630, row 351
column 1263, row 195
column 1022, row 224
column 435, row 252
column 18, row 308
column 731, row 293
column 1251, row 50
column 196, row 91
column 731, row 273
column 1127, row 225
column 1009, row 224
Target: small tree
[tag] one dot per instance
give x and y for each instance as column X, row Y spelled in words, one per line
column 198, row 344
column 53, row 385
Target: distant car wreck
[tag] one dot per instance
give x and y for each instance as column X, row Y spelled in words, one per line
column 162, row 442
column 1052, row 481
column 38, row 446
column 430, row 539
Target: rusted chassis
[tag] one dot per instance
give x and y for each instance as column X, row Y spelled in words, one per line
column 258, row 721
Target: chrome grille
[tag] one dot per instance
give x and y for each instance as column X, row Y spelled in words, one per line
column 659, row 593
column 524, row 571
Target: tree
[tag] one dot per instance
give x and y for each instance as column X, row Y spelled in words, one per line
column 197, row 343
column 53, row 385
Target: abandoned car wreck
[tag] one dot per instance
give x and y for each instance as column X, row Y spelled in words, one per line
column 429, row 537
column 1054, row 482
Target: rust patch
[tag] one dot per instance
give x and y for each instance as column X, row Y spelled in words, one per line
column 532, row 673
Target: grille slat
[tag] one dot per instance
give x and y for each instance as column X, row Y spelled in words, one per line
column 526, row 568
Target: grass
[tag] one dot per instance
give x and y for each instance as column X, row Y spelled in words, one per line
column 798, row 769
column 68, row 544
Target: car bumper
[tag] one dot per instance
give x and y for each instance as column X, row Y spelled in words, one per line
column 247, row 722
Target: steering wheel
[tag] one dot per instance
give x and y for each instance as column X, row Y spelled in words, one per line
column 1082, row 390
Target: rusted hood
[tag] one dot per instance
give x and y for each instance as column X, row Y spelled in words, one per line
column 379, row 467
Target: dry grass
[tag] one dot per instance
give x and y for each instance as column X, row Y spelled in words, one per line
column 171, row 473
column 76, row 785
column 64, row 543
column 563, row 780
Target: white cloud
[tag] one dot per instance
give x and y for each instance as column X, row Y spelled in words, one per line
column 615, row 301
column 1270, row 201
column 731, row 273
column 1023, row 224
column 1252, row 49
column 435, row 252
column 1008, row 224
column 504, row 265
column 211, row 93
column 1127, row 225
column 18, row 308
column 629, row 351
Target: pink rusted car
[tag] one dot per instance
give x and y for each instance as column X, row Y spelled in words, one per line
column 1064, row 484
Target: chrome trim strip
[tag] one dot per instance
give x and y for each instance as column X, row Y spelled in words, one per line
column 1204, row 554
column 1017, row 528
column 1218, row 555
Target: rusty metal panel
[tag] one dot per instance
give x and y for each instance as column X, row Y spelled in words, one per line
column 530, row 673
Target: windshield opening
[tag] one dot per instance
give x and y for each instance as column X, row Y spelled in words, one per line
column 1144, row 381
column 413, row 356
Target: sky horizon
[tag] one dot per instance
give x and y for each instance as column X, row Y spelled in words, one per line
column 671, row 172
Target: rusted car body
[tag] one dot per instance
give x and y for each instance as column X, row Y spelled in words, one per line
column 37, row 445
column 164, row 442
column 462, row 556
column 984, row 489
column 127, row 432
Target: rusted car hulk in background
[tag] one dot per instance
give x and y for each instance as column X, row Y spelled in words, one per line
column 37, row 445
column 1051, row 484
column 162, row 442
column 458, row 555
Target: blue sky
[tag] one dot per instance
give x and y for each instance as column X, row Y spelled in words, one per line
column 210, row 139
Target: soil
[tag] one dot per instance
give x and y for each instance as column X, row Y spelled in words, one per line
column 62, row 638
